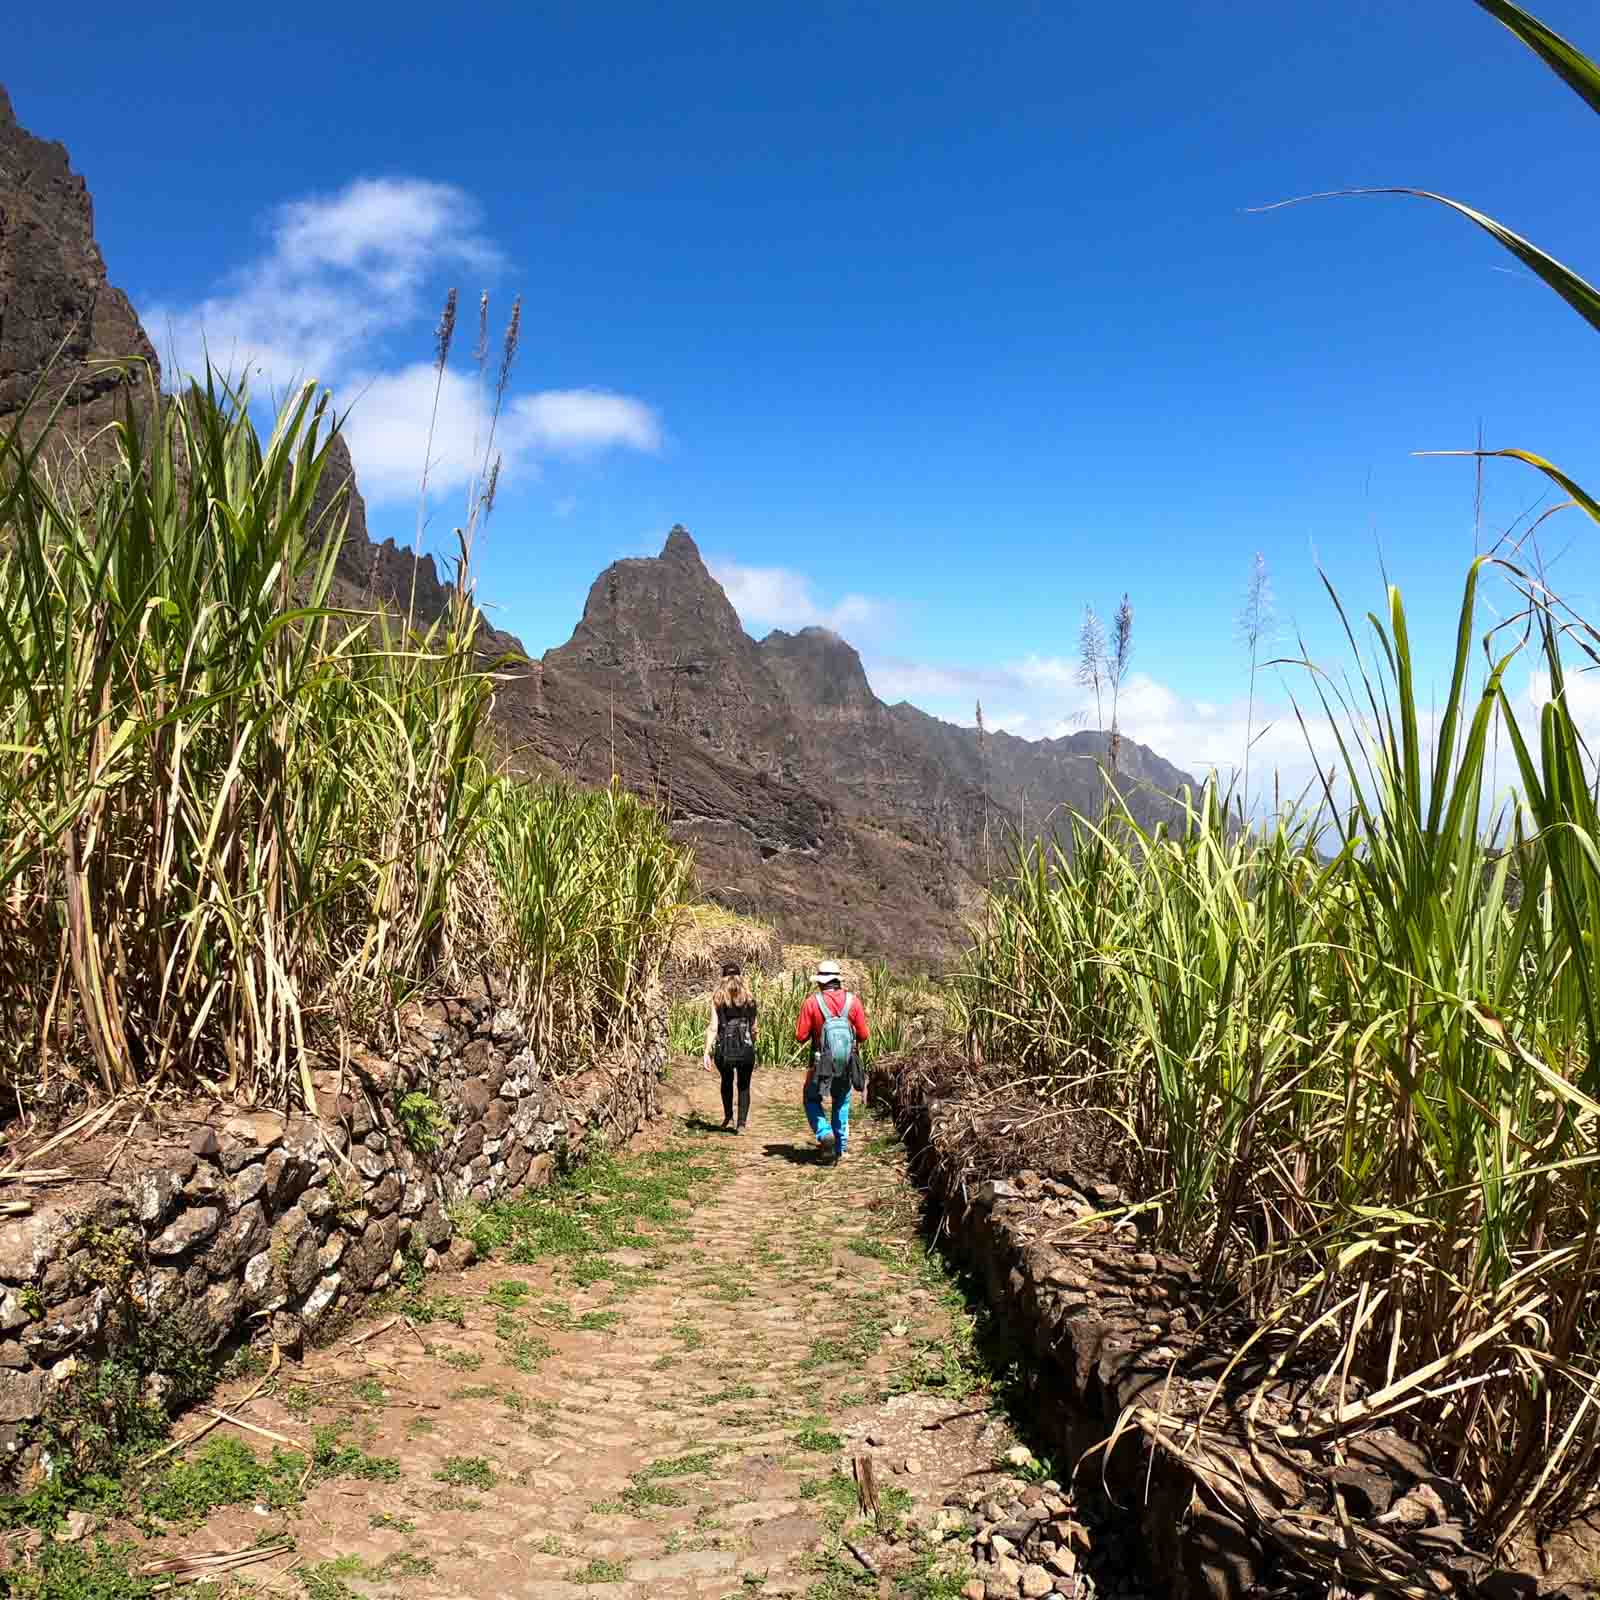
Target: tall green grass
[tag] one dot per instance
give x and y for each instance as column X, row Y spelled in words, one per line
column 235, row 820
column 1363, row 1081
column 586, row 887
column 1354, row 1058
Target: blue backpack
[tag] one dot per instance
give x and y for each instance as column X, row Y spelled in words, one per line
column 836, row 1047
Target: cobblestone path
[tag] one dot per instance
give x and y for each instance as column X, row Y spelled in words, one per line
column 663, row 1399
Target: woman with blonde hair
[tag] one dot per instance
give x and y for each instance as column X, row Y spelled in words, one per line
column 731, row 1041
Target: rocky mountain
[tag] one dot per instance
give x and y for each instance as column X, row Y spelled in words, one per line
column 61, row 321
column 847, row 822
column 809, row 801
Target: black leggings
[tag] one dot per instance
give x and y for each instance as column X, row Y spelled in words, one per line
column 727, row 1088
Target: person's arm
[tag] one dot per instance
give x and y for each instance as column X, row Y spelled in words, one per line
column 711, row 1038
column 858, row 1019
column 802, row 1031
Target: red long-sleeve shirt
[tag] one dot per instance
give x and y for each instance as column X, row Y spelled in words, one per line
column 808, row 1025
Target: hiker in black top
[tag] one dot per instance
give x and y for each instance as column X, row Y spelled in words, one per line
column 731, row 1041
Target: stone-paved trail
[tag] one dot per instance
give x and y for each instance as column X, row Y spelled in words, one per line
column 673, row 1419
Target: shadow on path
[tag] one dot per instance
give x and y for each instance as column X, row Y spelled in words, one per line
column 695, row 1123
column 800, row 1155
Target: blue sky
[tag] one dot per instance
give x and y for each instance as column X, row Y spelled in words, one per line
column 937, row 322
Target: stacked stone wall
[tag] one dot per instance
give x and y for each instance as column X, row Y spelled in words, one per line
column 1237, row 1484
column 235, row 1225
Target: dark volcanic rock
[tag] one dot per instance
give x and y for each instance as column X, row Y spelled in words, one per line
column 807, row 799
column 661, row 635
column 821, row 674
column 54, row 295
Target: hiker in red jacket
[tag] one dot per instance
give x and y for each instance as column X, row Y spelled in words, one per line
column 834, row 1023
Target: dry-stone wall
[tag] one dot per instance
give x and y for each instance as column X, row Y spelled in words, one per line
column 1129, row 1363
column 249, row 1225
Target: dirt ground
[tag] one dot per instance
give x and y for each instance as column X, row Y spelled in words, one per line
column 677, row 1418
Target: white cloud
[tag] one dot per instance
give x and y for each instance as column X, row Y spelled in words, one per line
column 392, row 414
column 580, row 421
column 776, row 597
column 343, row 272
column 1583, row 703
column 339, row 270
column 1039, row 697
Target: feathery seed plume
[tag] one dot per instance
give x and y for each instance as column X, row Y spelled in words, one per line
column 493, row 484
column 1092, row 658
column 513, row 335
column 445, row 332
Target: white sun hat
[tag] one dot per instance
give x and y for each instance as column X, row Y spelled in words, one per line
column 826, row 972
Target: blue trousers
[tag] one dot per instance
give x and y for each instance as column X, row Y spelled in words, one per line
column 841, row 1110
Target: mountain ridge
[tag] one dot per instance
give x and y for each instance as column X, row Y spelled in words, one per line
column 808, row 800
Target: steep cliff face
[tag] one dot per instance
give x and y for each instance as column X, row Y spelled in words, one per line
column 807, row 798
column 62, row 324
column 821, row 674
column 847, row 822
column 662, row 639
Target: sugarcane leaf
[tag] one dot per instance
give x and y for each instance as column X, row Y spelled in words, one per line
column 1577, row 291
column 1563, row 57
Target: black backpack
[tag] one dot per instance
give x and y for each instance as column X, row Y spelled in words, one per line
column 736, row 1036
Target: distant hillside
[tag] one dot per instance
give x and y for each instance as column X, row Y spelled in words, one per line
column 845, row 821
column 809, row 801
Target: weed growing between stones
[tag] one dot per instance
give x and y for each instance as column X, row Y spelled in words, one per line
column 105, row 1415
column 601, row 1570
column 467, row 1472
column 224, row 1472
column 604, row 1205
column 332, row 1459
column 422, row 1121
column 325, row 1581
column 816, row 1436
column 77, row 1572
column 524, row 1351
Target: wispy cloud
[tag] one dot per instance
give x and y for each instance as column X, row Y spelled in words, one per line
column 778, row 597
column 341, row 275
column 391, row 415
column 338, row 271
column 581, row 421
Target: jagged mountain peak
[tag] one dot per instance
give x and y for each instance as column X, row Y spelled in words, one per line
column 821, row 672
column 681, row 549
